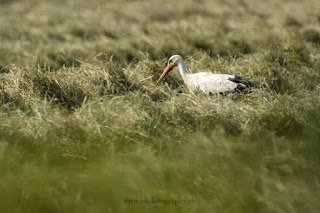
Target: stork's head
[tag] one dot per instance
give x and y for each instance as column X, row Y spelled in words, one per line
column 172, row 62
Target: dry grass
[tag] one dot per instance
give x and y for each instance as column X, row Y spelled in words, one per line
column 83, row 126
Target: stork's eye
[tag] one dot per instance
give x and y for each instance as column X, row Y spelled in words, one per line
column 170, row 61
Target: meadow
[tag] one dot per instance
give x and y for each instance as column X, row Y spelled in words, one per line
column 84, row 128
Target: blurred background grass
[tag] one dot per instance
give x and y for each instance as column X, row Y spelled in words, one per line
column 83, row 127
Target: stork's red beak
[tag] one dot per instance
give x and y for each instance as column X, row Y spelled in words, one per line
column 165, row 72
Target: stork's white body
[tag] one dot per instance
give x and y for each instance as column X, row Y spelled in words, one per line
column 206, row 81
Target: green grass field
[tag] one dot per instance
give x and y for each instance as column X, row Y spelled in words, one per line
column 83, row 128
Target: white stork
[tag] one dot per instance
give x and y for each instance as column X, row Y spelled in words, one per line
column 207, row 82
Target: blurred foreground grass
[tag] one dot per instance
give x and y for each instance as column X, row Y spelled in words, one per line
column 83, row 127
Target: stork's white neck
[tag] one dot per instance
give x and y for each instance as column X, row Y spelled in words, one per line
column 182, row 69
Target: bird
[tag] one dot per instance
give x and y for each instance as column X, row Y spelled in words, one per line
column 207, row 82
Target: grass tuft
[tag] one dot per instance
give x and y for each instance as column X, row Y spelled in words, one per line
column 312, row 36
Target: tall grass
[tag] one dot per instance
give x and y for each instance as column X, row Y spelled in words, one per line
column 83, row 126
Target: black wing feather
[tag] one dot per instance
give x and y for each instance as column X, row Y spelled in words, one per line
column 243, row 83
